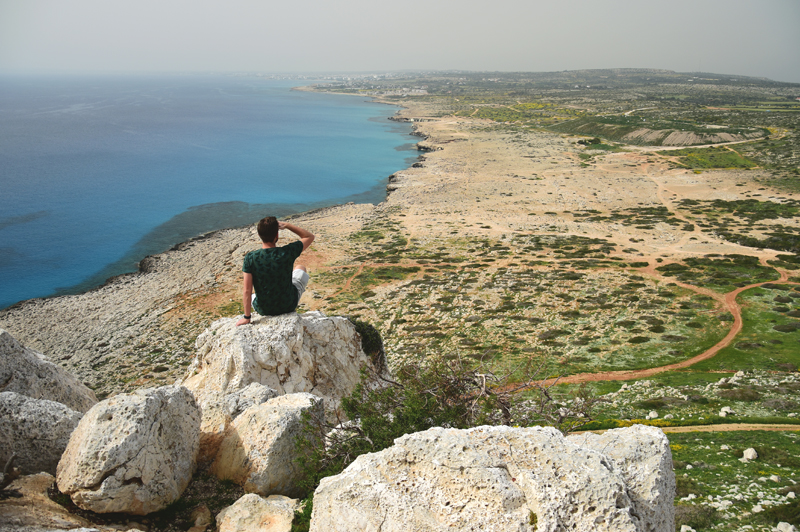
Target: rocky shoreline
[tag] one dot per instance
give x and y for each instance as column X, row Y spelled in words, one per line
column 139, row 328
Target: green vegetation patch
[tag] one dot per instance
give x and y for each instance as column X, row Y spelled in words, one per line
column 770, row 338
column 645, row 130
column 721, row 274
column 717, row 491
column 645, row 217
column 714, row 157
column 751, row 210
column 530, row 113
column 736, row 222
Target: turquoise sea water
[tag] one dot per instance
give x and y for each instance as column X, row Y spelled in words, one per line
column 97, row 173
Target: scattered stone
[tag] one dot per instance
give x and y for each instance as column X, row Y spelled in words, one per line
column 757, row 509
column 28, row 372
column 687, row 528
column 133, row 453
column 201, row 517
column 253, row 513
column 503, row 478
column 259, row 450
column 783, row 526
column 652, row 415
column 35, row 430
column 750, row 454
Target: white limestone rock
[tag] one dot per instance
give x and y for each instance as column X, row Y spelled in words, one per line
column 253, row 513
column 643, row 457
column 259, row 449
column 750, row 454
column 35, row 430
column 254, row 394
column 290, row 353
column 501, row 479
column 28, row 372
column 133, row 453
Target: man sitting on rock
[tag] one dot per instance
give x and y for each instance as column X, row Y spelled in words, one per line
column 269, row 270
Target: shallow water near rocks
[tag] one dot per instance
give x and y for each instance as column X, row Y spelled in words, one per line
column 96, row 173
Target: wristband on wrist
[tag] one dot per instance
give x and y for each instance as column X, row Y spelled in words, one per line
column 245, row 316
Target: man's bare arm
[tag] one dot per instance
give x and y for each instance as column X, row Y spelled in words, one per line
column 247, row 292
column 306, row 237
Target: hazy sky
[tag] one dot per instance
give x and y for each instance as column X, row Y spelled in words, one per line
column 745, row 37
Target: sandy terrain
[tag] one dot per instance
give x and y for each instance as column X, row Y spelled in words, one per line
column 478, row 180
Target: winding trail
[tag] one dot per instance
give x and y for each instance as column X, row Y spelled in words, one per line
column 730, row 304
column 728, row 427
column 722, row 427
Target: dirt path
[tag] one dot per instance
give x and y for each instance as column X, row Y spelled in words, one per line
column 723, row 427
column 728, row 427
column 728, row 302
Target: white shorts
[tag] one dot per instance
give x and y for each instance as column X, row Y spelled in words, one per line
column 300, row 281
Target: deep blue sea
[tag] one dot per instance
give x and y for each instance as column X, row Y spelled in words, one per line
column 97, row 173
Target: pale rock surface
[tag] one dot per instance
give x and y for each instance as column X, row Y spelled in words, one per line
column 500, row 479
column 289, row 353
column 750, row 454
column 217, row 417
column 34, row 511
column 253, row 513
column 785, row 527
column 643, row 457
column 201, row 517
column 28, row 372
column 259, row 450
column 132, row 453
column 35, row 430
column 254, row 394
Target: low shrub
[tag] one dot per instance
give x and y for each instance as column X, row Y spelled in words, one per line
column 740, row 394
column 443, row 392
column 695, row 516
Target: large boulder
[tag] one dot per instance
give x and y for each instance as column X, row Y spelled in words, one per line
column 253, row 513
column 498, row 479
column 132, row 453
column 28, row 372
column 218, row 416
column 259, row 449
column 642, row 456
column 289, row 353
column 36, row 431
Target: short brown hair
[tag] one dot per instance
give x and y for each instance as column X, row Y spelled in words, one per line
column 268, row 229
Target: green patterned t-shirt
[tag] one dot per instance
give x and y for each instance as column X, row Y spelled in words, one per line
column 272, row 278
